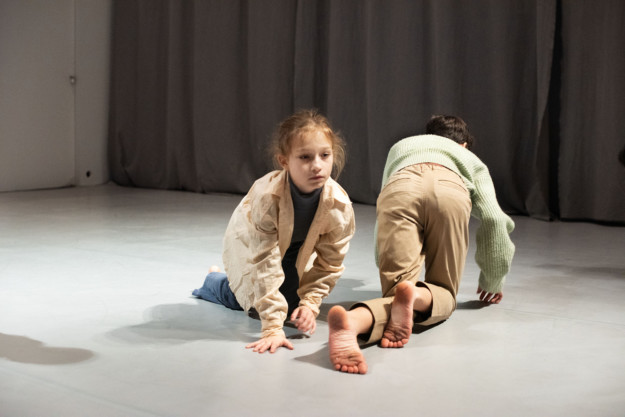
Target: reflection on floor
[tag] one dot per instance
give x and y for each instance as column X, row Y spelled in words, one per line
column 97, row 319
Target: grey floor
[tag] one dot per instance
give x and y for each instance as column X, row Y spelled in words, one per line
column 96, row 319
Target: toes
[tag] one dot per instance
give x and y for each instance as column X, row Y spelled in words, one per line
column 361, row 368
column 386, row 343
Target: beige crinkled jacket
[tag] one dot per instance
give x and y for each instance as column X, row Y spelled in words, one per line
column 258, row 235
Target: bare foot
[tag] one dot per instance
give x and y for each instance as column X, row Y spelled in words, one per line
column 213, row 268
column 399, row 327
column 345, row 353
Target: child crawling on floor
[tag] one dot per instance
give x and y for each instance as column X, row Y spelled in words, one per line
column 286, row 240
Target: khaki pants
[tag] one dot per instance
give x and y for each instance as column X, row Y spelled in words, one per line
column 423, row 217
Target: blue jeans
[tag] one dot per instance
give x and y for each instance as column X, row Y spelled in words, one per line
column 216, row 290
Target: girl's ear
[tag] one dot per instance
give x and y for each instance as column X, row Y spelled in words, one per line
column 283, row 161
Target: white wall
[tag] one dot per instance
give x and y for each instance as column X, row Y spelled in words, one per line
column 53, row 132
column 93, row 45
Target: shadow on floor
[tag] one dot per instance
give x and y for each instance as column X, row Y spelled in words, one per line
column 23, row 349
column 471, row 305
column 183, row 323
column 321, row 357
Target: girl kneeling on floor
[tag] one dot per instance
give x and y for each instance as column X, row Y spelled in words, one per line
column 286, row 240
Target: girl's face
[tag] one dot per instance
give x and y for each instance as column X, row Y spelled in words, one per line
column 310, row 161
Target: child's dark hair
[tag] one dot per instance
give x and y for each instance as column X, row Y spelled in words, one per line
column 451, row 127
column 305, row 121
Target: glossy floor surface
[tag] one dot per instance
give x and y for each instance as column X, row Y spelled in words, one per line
column 97, row 319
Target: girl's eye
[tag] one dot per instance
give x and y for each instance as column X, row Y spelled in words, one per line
column 304, row 157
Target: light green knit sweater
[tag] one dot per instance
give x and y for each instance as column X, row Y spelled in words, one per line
column 494, row 248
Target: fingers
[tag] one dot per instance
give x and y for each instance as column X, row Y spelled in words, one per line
column 285, row 343
column 481, row 293
column 258, row 346
column 487, row 297
column 304, row 320
column 295, row 314
column 270, row 344
column 306, row 324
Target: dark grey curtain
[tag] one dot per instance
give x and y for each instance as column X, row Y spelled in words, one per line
column 592, row 180
column 198, row 86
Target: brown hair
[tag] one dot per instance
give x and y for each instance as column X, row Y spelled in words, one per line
column 450, row 127
column 304, row 121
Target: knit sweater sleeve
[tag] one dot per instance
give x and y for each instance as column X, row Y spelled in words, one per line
column 494, row 247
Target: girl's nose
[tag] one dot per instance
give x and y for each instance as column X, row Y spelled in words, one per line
column 316, row 163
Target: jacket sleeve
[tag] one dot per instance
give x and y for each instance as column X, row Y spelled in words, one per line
column 327, row 266
column 495, row 249
column 266, row 269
